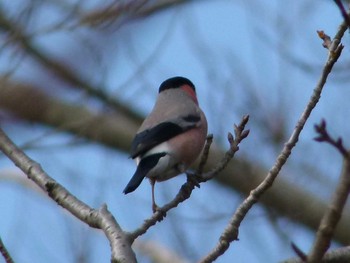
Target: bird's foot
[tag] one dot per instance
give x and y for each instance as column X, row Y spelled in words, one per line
column 194, row 178
column 157, row 209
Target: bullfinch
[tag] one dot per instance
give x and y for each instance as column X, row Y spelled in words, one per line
column 172, row 136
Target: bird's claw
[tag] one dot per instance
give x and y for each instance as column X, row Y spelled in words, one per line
column 194, row 178
column 159, row 210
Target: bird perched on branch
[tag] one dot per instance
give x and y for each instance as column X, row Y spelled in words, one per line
column 171, row 138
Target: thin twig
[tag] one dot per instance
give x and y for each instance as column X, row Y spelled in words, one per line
column 302, row 256
column 187, row 188
column 230, row 234
column 205, row 154
column 4, row 252
column 126, row 11
column 323, row 136
column 240, row 134
column 334, row 211
column 102, row 219
column 343, row 12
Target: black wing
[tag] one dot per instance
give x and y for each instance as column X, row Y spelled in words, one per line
column 164, row 131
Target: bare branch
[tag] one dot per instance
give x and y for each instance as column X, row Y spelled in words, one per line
column 126, row 11
column 4, row 252
column 333, row 213
column 240, row 134
column 205, row 154
column 324, row 137
column 120, row 245
column 30, row 103
column 343, row 12
column 230, row 234
column 302, row 256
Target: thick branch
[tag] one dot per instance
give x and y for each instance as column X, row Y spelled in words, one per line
column 31, row 104
column 120, row 245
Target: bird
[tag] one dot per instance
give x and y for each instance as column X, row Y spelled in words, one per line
column 171, row 138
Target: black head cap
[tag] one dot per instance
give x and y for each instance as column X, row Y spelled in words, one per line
column 174, row 83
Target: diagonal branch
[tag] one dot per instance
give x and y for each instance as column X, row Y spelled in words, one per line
column 343, row 12
column 4, row 252
column 102, row 219
column 230, row 234
column 334, row 211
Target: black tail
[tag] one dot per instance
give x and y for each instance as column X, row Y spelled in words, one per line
column 145, row 165
column 136, row 179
